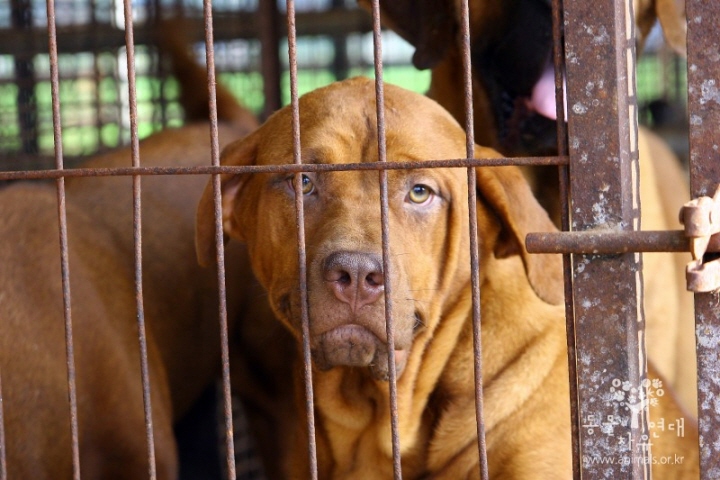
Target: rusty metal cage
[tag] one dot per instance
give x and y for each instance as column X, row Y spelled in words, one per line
column 599, row 252
column 93, row 76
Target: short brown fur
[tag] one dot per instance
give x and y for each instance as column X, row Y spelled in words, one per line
column 524, row 354
column 663, row 184
column 180, row 307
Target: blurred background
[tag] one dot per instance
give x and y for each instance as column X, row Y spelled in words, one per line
column 334, row 42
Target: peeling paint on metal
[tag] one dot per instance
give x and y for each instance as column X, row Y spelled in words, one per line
column 600, row 37
column 579, row 108
column 709, row 92
column 600, row 215
column 708, row 336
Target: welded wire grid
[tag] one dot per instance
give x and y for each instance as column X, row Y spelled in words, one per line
column 60, row 173
column 93, row 73
column 93, row 68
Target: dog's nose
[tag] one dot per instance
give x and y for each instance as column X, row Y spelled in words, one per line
column 355, row 278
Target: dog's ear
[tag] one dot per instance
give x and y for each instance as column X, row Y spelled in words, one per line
column 240, row 152
column 674, row 23
column 506, row 192
column 428, row 25
column 671, row 14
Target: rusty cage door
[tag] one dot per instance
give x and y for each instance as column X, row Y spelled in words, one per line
column 602, row 235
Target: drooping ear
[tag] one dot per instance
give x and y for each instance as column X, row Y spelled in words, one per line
column 673, row 21
column 428, row 25
column 506, row 192
column 240, row 152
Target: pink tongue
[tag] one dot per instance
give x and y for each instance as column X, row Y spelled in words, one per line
column 542, row 100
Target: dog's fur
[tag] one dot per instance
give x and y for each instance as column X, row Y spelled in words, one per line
column 180, row 306
column 524, row 355
column 511, row 42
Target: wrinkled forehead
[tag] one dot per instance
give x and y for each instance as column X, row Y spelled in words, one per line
column 338, row 124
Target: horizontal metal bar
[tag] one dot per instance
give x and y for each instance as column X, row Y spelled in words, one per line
column 613, row 242
column 289, row 168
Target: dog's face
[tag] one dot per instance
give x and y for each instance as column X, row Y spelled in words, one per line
column 347, row 283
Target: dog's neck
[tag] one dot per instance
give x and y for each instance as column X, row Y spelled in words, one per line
column 353, row 409
column 438, row 380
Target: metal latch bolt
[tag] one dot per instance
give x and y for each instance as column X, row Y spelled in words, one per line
column 701, row 218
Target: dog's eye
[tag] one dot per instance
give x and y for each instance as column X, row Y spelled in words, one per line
column 308, row 186
column 420, row 193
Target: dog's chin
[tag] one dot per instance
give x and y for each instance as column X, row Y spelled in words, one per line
column 355, row 346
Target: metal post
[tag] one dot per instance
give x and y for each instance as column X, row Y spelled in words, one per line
column 602, row 111
column 704, row 114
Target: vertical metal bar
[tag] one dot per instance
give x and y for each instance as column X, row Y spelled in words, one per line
column 3, row 457
column 302, row 256
column 704, row 114
column 600, row 55
column 219, row 242
column 474, row 252
column 270, row 55
column 564, row 181
column 62, row 221
column 25, row 76
column 385, row 227
column 137, row 237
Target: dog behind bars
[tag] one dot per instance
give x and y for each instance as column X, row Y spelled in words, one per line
column 524, row 352
column 180, row 305
column 514, row 111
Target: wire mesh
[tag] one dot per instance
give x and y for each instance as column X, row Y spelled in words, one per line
column 100, row 67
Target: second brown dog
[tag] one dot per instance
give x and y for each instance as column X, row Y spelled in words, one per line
column 180, row 307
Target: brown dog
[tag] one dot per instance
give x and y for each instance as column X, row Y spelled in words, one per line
column 511, row 48
column 524, row 354
column 180, row 307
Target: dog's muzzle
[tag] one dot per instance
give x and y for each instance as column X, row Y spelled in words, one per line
column 351, row 310
column 356, row 346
